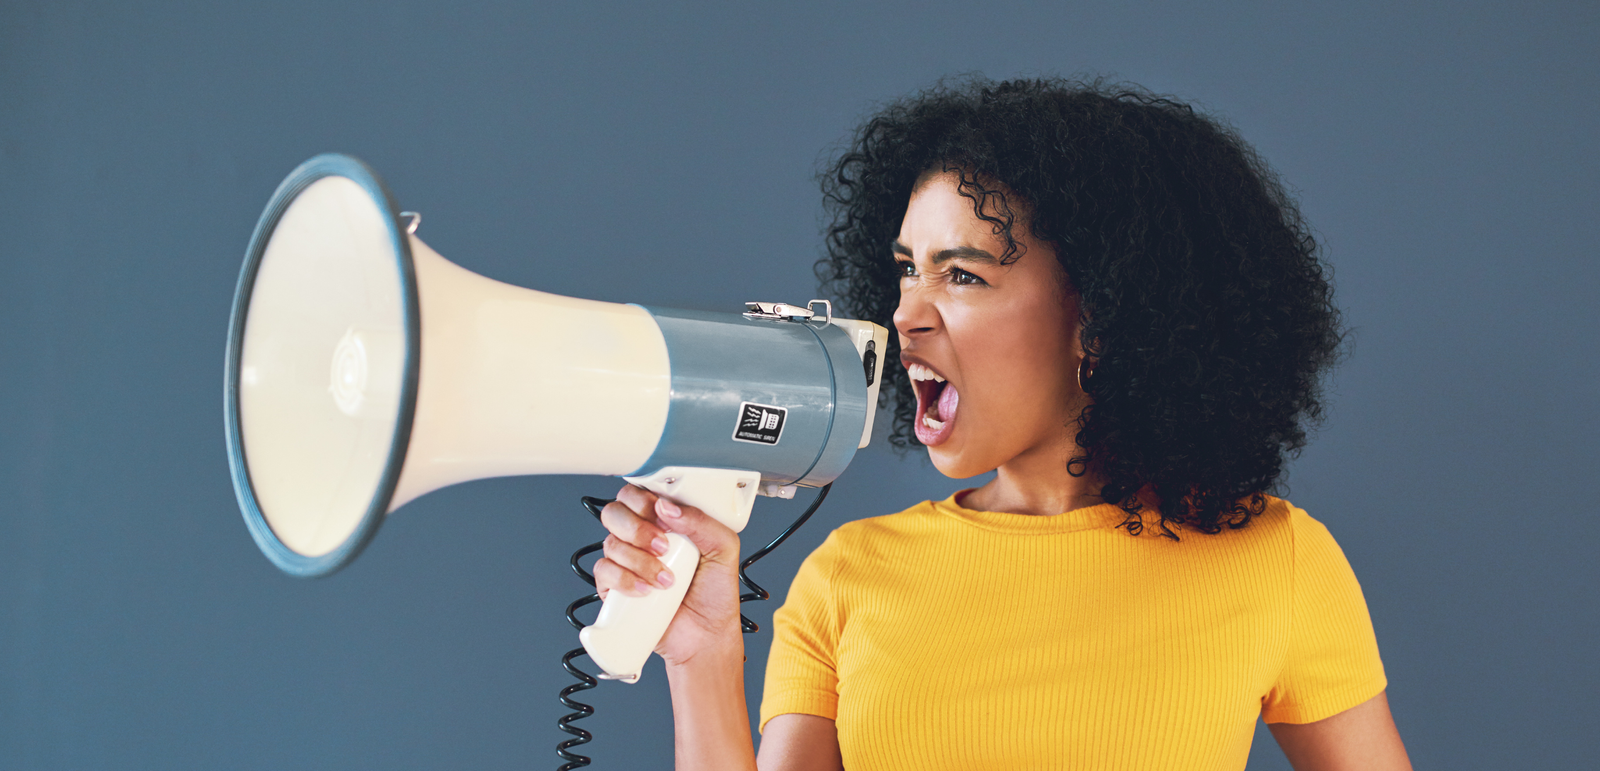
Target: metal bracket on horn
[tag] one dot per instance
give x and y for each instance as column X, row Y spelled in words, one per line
column 787, row 312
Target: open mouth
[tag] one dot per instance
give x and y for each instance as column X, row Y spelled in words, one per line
column 936, row 404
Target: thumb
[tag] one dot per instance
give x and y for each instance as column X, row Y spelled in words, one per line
column 717, row 542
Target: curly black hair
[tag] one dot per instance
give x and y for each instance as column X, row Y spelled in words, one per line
column 1207, row 310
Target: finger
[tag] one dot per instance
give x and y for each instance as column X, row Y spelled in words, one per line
column 716, row 541
column 625, row 523
column 609, row 576
column 638, row 561
column 640, row 500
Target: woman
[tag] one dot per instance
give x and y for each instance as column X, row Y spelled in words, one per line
column 1109, row 300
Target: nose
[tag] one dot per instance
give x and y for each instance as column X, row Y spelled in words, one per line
column 915, row 316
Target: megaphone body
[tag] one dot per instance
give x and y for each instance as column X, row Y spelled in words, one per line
column 365, row 370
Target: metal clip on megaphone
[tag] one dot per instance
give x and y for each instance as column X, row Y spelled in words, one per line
column 365, row 370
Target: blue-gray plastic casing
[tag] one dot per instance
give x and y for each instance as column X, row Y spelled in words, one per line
column 721, row 361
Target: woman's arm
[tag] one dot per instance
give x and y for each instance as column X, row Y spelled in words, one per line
column 797, row 742
column 703, row 647
column 710, row 720
column 1361, row 738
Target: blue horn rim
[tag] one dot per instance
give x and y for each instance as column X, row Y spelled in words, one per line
column 288, row 560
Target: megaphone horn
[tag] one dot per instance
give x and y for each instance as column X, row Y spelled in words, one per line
column 365, row 370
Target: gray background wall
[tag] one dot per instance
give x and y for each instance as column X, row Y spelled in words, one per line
column 664, row 153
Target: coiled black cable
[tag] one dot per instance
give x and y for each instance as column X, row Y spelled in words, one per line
column 757, row 593
column 586, row 680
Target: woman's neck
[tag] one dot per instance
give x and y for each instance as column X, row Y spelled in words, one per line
column 1036, row 484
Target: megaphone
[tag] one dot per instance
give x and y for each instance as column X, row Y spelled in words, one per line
column 365, row 370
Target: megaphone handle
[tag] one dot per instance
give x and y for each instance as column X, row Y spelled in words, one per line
column 628, row 628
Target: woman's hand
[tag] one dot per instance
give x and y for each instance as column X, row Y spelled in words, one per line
column 639, row 521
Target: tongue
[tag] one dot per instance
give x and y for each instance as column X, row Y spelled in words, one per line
column 944, row 407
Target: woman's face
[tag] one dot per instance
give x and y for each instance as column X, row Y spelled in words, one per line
column 1004, row 338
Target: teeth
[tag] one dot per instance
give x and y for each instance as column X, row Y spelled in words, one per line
column 919, row 372
column 931, row 423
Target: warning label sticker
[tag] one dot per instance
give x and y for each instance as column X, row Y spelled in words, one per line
column 759, row 423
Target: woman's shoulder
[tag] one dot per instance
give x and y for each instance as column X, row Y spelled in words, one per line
column 1282, row 517
column 859, row 538
column 1271, row 533
column 1278, row 527
column 914, row 519
column 1281, row 528
column 1276, row 516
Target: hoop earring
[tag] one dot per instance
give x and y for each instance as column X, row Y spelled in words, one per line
column 1084, row 377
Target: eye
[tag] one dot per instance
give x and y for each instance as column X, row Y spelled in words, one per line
column 907, row 268
column 961, row 277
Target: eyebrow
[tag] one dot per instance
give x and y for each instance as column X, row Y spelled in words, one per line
column 969, row 253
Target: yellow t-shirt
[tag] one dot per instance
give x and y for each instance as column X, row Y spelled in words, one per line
column 947, row 638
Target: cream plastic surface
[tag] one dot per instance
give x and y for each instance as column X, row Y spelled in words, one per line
column 321, row 365
column 518, row 381
column 512, row 380
column 861, row 333
column 629, row 628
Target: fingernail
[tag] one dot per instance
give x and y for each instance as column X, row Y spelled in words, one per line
column 642, row 588
column 668, row 509
column 659, row 546
column 664, row 579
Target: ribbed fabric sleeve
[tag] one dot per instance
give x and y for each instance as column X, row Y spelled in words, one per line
column 805, row 636
column 1332, row 662
column 947, row 638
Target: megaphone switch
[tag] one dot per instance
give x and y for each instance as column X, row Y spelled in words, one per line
column 365, row 370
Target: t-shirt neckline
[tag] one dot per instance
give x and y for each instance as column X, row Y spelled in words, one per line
column 1100, row 515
